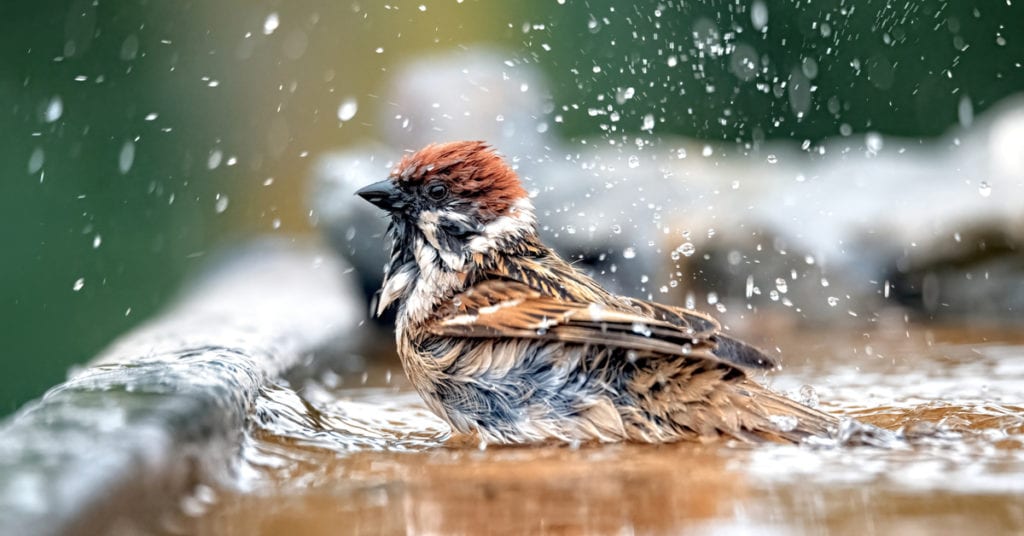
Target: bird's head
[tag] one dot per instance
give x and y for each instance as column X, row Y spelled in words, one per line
column 460, row 197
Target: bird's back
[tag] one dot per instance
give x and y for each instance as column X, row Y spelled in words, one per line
column 622, row 369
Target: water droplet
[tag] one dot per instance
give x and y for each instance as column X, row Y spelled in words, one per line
column 54, row 109
column 79, row 283
column 634, row 161
column 759, row 15
column 780, row 284
column 833, row 301
column 965, row 111
column 347, row 110
column 271, row 23
column 707, row 151
column 641, row 329
column 810, row 68
column 687, row 249
column 616, row 228
column 874, row 142
column 772, row 159
column 809, row 396
column 36, row 160
column 648, row 124
column 785, row 423
column 628, row 253
column 221, row 204
column 97, row 241
column 126, row 157
column 984, row 189
column 213, row 161
column 130, row 48
column 712, row 298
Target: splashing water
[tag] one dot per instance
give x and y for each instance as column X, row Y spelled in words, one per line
column 354, row 450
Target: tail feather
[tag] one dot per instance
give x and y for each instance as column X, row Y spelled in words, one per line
column 742, row 354
column 775, row 417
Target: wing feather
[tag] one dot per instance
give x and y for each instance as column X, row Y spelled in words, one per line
column 502, row 308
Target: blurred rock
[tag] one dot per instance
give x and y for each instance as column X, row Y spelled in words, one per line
column 851, row 227
column 844, row 230
column 477, row 95
column 353, row 227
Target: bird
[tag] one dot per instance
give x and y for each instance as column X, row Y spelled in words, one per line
column 509, row 343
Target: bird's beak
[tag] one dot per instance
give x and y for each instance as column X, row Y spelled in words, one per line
column 383, row 194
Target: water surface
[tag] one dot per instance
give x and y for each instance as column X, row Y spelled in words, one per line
column 359, row 454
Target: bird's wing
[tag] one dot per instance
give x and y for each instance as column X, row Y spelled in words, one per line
column 699, row 324
column 703, row 326
column 512, row 309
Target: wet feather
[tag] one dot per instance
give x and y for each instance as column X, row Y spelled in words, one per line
column 505, row 339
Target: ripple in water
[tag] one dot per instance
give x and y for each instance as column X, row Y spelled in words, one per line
column 951, row 420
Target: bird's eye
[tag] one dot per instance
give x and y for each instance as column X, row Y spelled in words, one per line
column 437, row 191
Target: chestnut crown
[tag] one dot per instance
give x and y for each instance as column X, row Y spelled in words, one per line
column 467, row 176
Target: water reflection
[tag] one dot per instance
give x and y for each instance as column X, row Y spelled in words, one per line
column 372, row 460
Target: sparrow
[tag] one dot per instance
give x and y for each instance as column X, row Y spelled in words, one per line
column 504, row 339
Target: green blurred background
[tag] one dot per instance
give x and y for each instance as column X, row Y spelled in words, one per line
column 139, row 135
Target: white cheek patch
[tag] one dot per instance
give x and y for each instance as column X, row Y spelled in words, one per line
column 518, row 222
column 428, row 226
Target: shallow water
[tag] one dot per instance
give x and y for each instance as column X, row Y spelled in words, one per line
column 359, row 454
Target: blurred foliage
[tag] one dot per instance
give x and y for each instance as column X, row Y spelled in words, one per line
column 137, row 135
column 748, row 71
